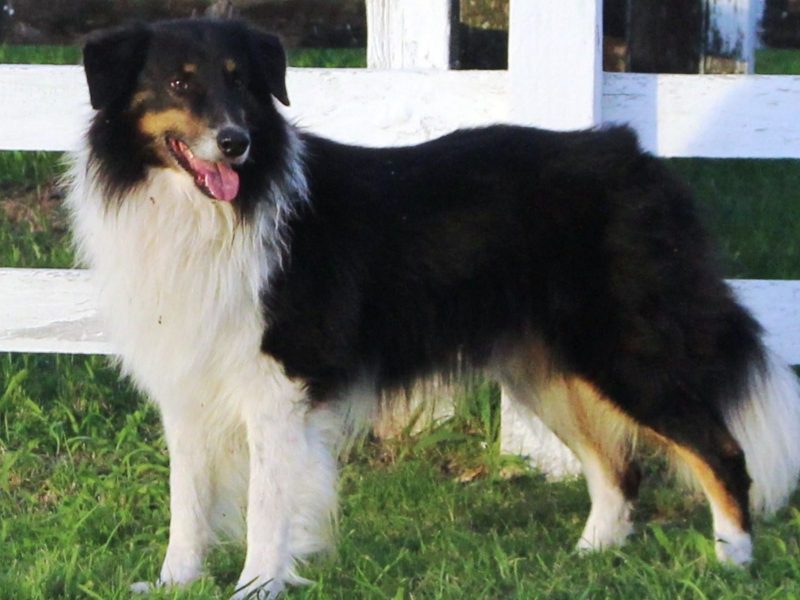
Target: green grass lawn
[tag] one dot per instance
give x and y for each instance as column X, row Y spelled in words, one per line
column 71, row 55
column 83, row 467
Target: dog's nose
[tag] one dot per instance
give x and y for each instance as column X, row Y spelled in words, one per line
column 233, row 141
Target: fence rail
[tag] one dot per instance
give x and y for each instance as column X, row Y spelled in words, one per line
column 54, row 310
column 713, row 116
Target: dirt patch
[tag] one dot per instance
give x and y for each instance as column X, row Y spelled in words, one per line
column 40, row 208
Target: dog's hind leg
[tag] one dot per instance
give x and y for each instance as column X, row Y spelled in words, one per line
column 703, row 443
column 596, row 432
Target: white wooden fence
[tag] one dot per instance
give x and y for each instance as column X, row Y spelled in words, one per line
column 408, row 95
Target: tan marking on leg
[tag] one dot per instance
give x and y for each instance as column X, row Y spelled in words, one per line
column 712, row 486
column 574, row 409
column 603, row 426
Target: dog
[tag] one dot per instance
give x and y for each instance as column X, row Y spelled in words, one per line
column 265, row 287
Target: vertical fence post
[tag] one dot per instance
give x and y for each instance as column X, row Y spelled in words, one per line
column 757, row 14
column 555, row 62
column 729, row 36
column 555, row 72
column 410, row 34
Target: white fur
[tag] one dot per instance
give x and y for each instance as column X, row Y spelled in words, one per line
column 179, row 280
column 609, row 523
column 767, row 427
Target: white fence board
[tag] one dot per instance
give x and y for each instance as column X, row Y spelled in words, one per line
column 54, row 310
column 716, row 116
column 42, row 107
column 776, row 305
column 49, row 310
column 394, row 107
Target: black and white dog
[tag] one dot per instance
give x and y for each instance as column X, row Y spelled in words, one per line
column 263, row 285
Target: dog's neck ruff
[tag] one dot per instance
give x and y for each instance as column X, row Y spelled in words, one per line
column 175, row 269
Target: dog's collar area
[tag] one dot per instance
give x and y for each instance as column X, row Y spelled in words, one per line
column 216, row 180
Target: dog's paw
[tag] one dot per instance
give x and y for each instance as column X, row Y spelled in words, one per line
column 734, row 550
column 606, row 529
column 143, row 587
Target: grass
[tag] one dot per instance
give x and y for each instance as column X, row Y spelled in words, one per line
column 83, row 466
column 777, row 61
column 751, row 208
column 18, row 168
column 83, row 485
column 39, row 54
column 71, row 55
column 327, row 57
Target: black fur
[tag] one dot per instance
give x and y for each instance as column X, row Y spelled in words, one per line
column 411, row 259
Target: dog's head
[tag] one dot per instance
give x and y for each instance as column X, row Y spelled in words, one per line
column 192, row 95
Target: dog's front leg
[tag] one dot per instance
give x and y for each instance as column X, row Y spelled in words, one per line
column 190, row 491
column 191, row 497
column 278, row 448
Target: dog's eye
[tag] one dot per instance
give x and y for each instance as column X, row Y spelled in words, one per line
column 180, row 85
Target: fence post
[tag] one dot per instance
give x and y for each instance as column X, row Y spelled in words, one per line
column 555, row 72
column 729, row 36
column 555, row 62
column 757, row 14
column 410, row 34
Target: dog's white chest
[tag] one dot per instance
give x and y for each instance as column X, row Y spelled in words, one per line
column 178, row 280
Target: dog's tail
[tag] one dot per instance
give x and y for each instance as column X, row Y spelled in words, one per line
column 766, row 423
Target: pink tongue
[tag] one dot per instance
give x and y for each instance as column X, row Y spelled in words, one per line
column 218, row 178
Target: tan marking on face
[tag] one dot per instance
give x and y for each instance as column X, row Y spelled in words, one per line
column 230, row 65
column 172, row 120
column 190, row 68
column 140, row 98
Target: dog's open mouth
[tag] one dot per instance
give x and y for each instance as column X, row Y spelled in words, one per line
column 215, row 179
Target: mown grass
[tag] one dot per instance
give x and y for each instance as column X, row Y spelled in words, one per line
column 751, row 208
column 39, row 54
column 327, row 57
column 777, row 61
column 18, row 168
column 83, row 467
column 71, row 55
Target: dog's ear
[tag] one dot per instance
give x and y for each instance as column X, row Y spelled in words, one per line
column 112, row 59
column 269, row 61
